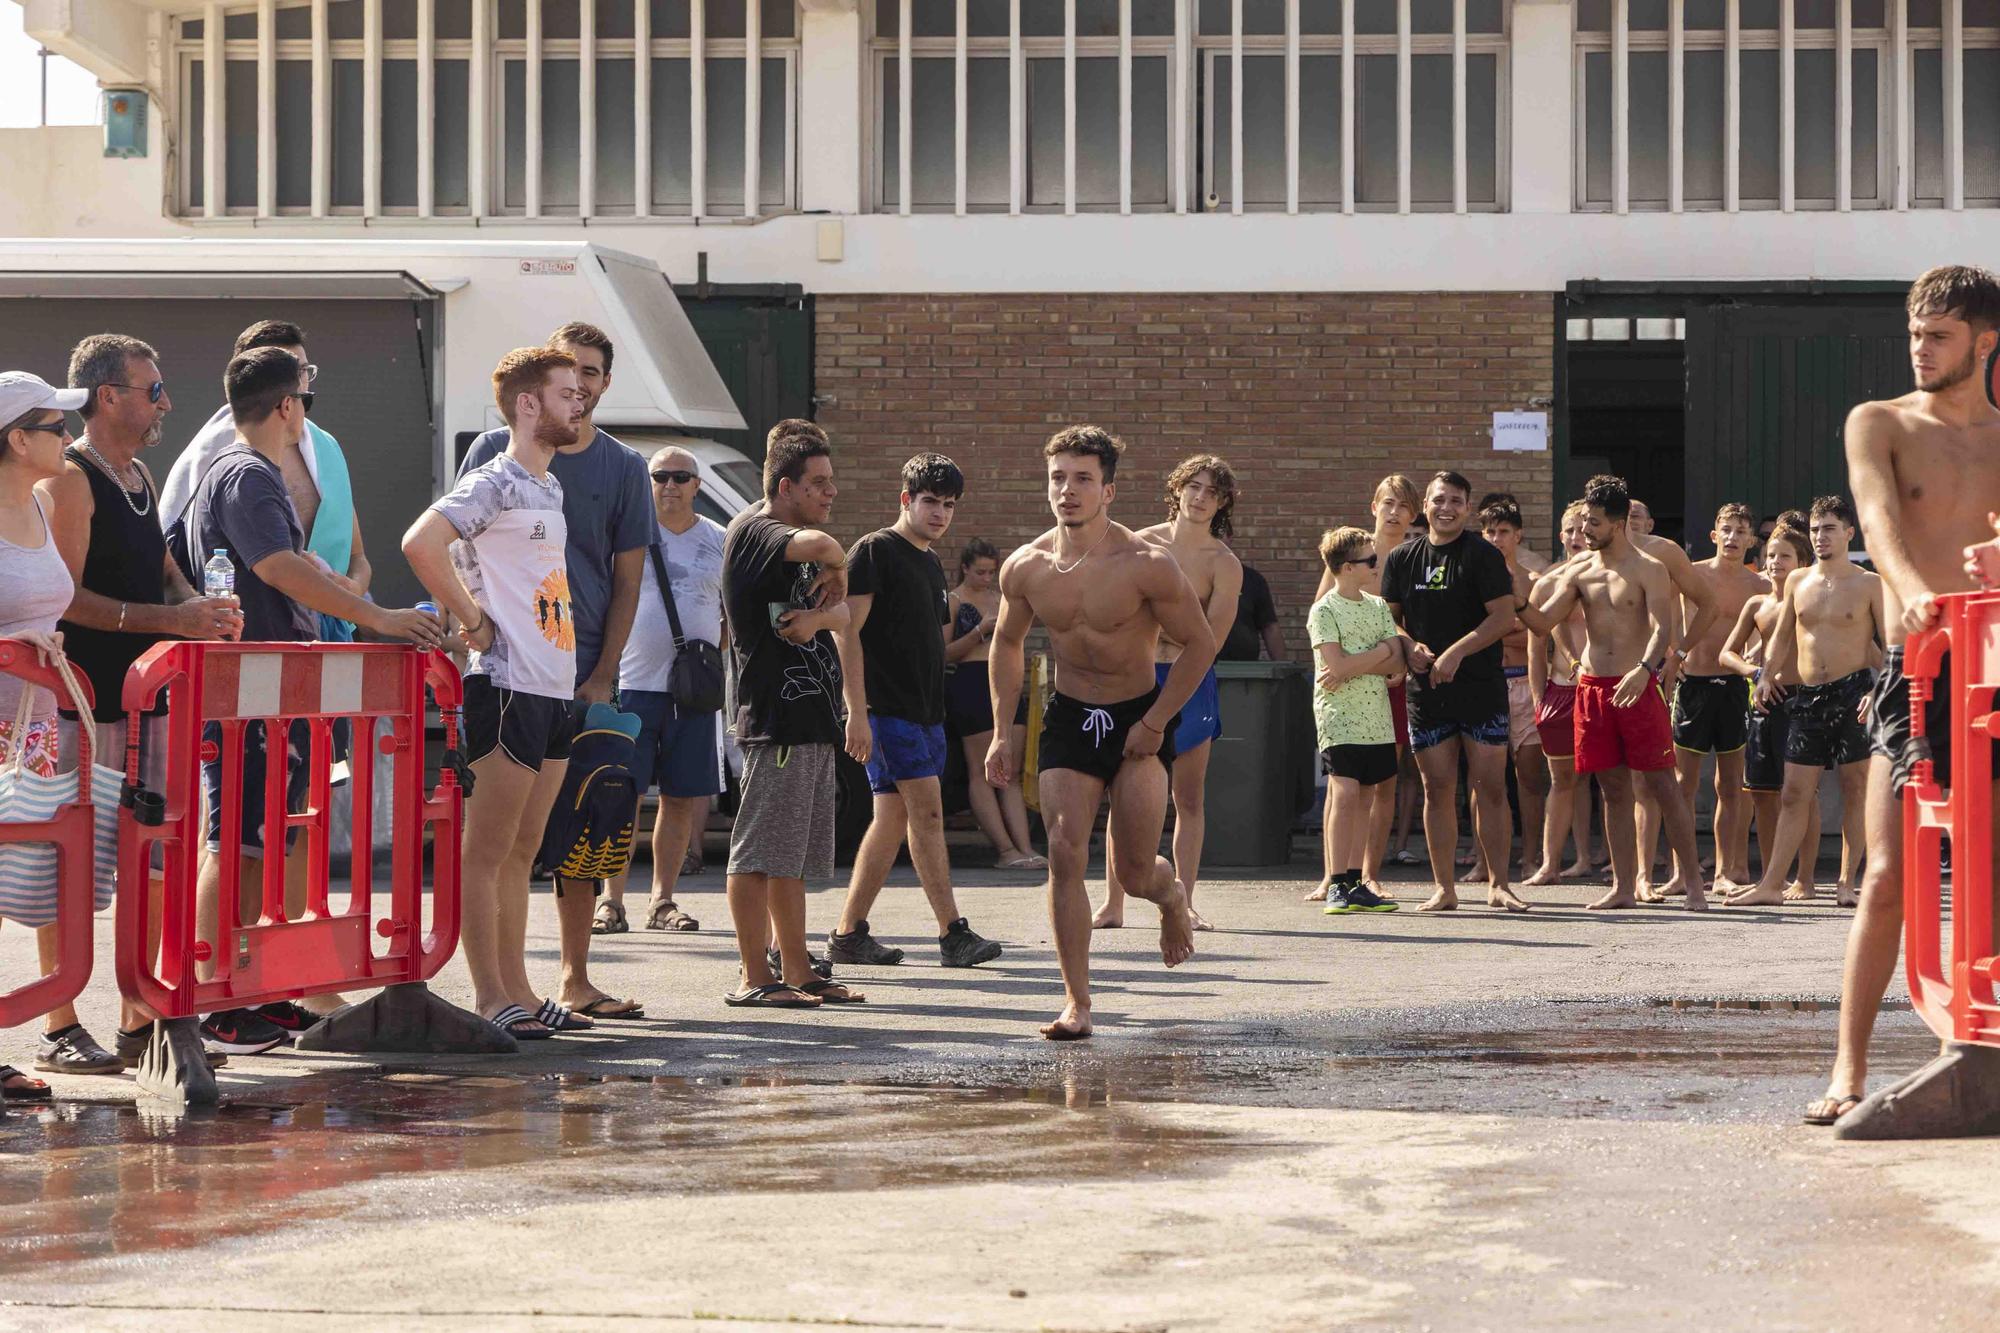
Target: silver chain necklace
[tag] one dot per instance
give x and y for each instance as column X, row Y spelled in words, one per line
column 104, row 466
column 1086, row 554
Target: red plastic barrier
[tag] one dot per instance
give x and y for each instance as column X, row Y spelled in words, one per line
column 1952, row 982
column 70, row 831
column 380, row 690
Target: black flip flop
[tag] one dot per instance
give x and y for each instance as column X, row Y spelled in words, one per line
column 510, row 1020
column 1841, row 1106
column 29, row 1093
column 822, row 986
column 758, row 997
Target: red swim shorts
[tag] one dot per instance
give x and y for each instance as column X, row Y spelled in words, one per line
column 1556, row 720
column 1640, row 737
column 1399, row 713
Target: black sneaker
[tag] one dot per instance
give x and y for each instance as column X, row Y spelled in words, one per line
column 292, row 1018
column 132, row 1048
column 242, row 1032
column 858, row 946
column 822, row 968
column 959, row 947
column 1361, row 898
column 1339, row 900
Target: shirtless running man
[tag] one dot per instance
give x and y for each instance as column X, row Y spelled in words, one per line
column 1621, row 716
column 1106, row 729
column 1200, row 493
column 1826, row 645
column 1923, row 472
column 1711, row 702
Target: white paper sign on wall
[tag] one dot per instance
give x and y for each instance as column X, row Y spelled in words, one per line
column 1521, row 432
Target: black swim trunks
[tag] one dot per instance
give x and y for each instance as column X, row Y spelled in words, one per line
column 1765, row 737
column 1889, row 733
column 1090, row 738
column 1711, row 713
column 1826, row 722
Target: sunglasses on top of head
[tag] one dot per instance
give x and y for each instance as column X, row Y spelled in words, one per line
column 678, row 476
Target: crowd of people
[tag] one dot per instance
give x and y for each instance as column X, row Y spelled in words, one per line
column 575, row 577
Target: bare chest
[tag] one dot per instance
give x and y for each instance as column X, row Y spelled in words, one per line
column 1098, row 601
column 299, row 485
column 1832, row 606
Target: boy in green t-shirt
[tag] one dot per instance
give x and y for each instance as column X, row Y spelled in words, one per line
column 1358, row 646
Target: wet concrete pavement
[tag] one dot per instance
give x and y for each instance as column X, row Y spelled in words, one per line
column 1557, row 1120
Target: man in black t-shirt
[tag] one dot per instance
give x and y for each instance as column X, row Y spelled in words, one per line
column 892, row 660
column 1256, row 624
column 784, row 585
column 1453, row 593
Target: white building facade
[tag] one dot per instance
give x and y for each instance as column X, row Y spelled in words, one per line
column 1327, row 238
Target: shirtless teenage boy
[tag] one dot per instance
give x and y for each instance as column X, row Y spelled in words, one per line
column 1105, row 596
column 1621, row 717
column 1500, row 524
column 1923, row 472
column 1552, row 665
column 1711, row 702
column 1767, row 725
column 1824, row 646
column 1201, row 491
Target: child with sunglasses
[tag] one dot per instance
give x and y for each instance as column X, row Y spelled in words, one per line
column 1359, row 647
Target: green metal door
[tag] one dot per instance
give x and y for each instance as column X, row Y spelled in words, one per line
column 1769, row 387
column 761, row 341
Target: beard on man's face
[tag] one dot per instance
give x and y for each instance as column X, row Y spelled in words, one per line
column 1950, row 378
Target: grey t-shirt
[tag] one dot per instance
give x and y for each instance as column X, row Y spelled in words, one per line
column 608, row 504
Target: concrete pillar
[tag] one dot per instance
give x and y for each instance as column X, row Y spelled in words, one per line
column 833, row 76
column 1543, row 80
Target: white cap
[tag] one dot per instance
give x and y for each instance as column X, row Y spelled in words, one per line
column 22, row 393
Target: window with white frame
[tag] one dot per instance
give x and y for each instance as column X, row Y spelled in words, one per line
column 1138, row 105
column 1787, row 104
column 570, row 108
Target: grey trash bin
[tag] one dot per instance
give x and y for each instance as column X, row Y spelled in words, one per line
column 1260, row 773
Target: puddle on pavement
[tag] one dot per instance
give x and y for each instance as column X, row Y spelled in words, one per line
column 90, row 1180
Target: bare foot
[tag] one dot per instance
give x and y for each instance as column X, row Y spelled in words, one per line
column 1501, row 896
column 1757, row 896
column 1724, row 885
column 1176, row 927
column 1477, row 875
column 1073, row 1024
column 1674, row 887
column 1649, row 895
column 1577, row 870
column 1548, row 874
column 1846, row 896
column 1439, row 902
column 1697, row 898
column 1795, row 892
column 1318, row 895
column 1107, row 918
column 1379, row 890
column 1613, row 900
column 1197, row 920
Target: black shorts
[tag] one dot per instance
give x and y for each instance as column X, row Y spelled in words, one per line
column 1889, row 733
column 1090, row 738
column 1826, row 722
column 1764, row 747
column 530, row 729
column 1365, row 764
column 1711, row 713
column 968, row 700
column 1475, row 709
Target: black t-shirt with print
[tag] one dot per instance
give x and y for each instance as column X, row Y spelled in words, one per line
column 1443, row 591
column 902, row 642
column 786, row 694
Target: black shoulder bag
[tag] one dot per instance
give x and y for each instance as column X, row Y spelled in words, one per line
column 695, row 680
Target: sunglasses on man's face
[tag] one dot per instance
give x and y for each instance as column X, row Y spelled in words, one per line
column 305, row 401
column 154, row 391
column 678, row 476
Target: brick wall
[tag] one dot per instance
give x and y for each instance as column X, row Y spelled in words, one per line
column 1312, row 399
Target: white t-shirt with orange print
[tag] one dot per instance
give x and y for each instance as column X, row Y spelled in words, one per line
column 510, row 557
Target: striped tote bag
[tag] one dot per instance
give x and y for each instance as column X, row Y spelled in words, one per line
column 28, row 869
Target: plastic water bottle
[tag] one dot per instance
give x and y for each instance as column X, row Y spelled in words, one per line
column 218, row 576
column 431, row 607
